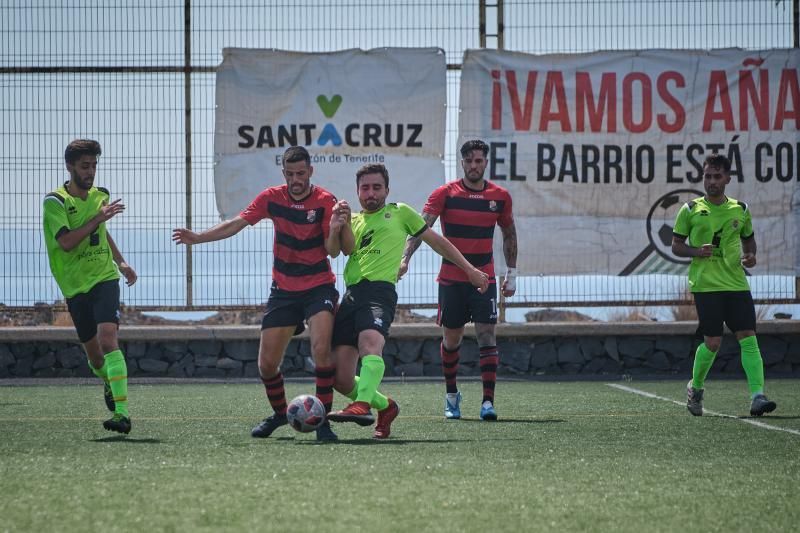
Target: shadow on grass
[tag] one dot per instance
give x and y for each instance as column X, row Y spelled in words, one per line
column 395, row 441
column 509, row 421
column 768, row 418
column 124, row 438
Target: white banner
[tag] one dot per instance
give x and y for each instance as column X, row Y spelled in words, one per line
column 347, row 108
column 600, row 150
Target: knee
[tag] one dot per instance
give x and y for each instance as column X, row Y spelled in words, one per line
column 321, row 352
column 713, row 343
column 267, row 367
column 108, row 343
column 486, row 339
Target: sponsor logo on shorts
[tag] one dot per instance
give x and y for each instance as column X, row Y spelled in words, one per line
column 378, row 322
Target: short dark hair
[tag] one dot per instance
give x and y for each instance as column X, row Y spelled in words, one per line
column 476, row 144
column 295, row 154
column 79, row 148
column 719, row 161
column 373, row 168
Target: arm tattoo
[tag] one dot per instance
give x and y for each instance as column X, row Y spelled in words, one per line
column 413, row 242
column 510, row 245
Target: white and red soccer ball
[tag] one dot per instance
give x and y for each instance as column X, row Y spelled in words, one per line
column 305, row 413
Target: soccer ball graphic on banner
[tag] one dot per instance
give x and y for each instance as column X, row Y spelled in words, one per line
column 305, row 413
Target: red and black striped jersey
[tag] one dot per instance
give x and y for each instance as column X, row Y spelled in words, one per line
column 300, row 261
column 468, row 219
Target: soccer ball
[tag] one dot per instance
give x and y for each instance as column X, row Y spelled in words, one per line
column 305, row 413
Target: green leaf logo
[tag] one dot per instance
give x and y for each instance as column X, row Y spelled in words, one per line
column 329, row 107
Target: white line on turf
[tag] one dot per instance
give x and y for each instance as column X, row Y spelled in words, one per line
column 750, row 421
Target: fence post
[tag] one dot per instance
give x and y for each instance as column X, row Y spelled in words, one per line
column 187, row 95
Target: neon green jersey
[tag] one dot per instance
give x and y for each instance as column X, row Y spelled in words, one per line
column 89, row 263
column 724, row 226
column 380, row 239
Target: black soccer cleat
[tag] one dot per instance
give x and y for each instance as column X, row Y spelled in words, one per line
column 761, row 404
column 118, row 423
column 268, row 425
column 108, row 396
column 325, row 433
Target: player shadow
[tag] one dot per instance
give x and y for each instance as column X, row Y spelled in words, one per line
column 510, row 421
column 394, row 441
column 768, row 418
column 125, row 438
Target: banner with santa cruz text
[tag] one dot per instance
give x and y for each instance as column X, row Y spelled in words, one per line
column 347, row 108
column 600, row 150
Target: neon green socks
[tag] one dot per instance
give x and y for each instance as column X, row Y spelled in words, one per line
column 379, row 401
column 118, row 380
column 101, row 372
column 753, row 365
column 703, row 359
column 372, row 368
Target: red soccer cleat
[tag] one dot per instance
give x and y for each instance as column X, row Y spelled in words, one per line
column 385, row 418
column 357, row 412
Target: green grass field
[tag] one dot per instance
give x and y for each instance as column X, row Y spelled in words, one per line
column 563, row 457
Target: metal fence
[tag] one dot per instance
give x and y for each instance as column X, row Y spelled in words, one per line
column 139, row 76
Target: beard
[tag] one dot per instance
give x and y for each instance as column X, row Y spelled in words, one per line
column 82, row 183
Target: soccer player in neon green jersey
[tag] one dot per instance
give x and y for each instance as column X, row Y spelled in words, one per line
column 716, row 231
column 374, row 241
column 87, row 264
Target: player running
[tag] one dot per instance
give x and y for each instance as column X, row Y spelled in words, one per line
column 86, row 264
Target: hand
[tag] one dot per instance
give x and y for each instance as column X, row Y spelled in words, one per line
column 403, row 269
column 185, row 236
column 510, row 283
column 343, row 208
column 749, row 260
column 706, row 250
column 479, row 279
column 108, row 211
column 130, row 274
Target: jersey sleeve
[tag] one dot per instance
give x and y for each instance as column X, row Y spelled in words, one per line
column 435, row 203
column 257, row 210
column 54, row 216
column 747, row 228
column 506, row 218
column 682, row 222
column 413, row 222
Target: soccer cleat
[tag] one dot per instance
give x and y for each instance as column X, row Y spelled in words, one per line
column 268, row 425
column 357, row 412
column 488, row 412
column 452, row 406
column 385, row 418
column 118, row 423
column 761, row 405
column 694, row 399
column 325, row 433
column 108, row 396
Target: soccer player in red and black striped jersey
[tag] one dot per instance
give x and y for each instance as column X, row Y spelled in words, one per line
column 470, row 209
column 303, row 286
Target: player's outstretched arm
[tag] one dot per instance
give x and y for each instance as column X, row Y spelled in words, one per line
column 223, row 230
column 73, row 237
column 412, row 243
column 124, row 268
column 446, row 249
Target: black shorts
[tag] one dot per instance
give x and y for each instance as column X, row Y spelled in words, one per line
column 365, row 305
column 460, row 303
column 292, row 308
column 734, row 308
column 100, row 304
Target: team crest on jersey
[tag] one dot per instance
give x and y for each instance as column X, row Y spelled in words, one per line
column 735, row 224
column 311, row 215
column 387, row 215
column 492, row 205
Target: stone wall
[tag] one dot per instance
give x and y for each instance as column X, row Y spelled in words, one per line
column 412, row 351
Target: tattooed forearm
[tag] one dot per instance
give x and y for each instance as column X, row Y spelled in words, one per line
column 510, row 245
